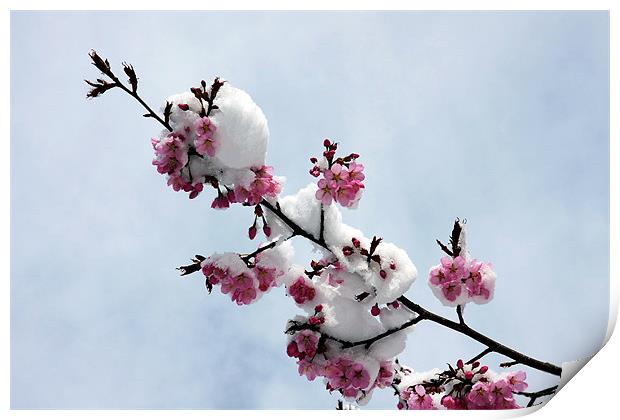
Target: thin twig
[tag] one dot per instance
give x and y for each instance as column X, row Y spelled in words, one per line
column 479, row 356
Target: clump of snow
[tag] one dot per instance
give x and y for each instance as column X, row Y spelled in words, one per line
column 241, row 129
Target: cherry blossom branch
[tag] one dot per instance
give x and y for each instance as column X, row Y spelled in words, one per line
column 495, row 346
column 246, row 258
column 479, row 356
column 460, row 327
column 369, row 341
column 101, row 86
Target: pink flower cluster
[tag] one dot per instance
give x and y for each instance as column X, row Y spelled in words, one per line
column 243, row 287
column 469, row 388
column 301, row 291
column 205, row 144
column 263, row 185
column 170, row 154
column 416, row 398
column 487, row 394
column 457, row 281
column 304, row 347
column 386, row 374
column 347, row 376
column 342, row 178
column 170, row 159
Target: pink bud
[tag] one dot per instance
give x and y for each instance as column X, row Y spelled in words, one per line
column 326, row 143
column 483, row 369
column 400, row 406
column 469, row 374
column 459, row 364
column 383, row 274
column 313, row 159
column 314, row 320
column 184, row 107
column 318, row 308
column 252, row 232
column 267, row 230
column 375, row 311
column 347, row 250
column 393, row 265
column 356, row 242
column 475, row 364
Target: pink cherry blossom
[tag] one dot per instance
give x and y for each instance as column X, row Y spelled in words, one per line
column 451, row 290
column 266, row 277
column 301, row 291
column 326, row 192
column 479, row 395
column 220, row 202
column 356, row 172
column 204, row 127
column 516, row 380
column 207, row 146
column 310, row 369
column 418, row 399
column 337, row 175
column 292, row 350
column 454, row 268
column 307, row 342
column 499, row 391
column 358, row 376
column 437, row 275
column 385, row 375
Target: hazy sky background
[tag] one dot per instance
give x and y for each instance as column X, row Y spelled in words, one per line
column 501, row 118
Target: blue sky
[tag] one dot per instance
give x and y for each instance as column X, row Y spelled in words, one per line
column 502, row 118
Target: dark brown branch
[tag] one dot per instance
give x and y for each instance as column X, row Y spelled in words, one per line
column 533, row 396
column 192, row 268
column 508, row 364
column 459, row 312
column 369, row 341
column 246, row 258
column 483, row 339
column 322, row 228
column 479, row 356
column 296, row 229
column 102, row 86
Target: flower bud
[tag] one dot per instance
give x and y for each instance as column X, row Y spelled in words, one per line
column 356, row 242
column 184, row 107
column 383, row 274
column 347, row 251
column 459, row 364
column 267, row 230
column 475, row 364
column 375, row 311
column 318, row 308
column 483, row 369
column 326, row 143
column 469, row 374
column 252, row 232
